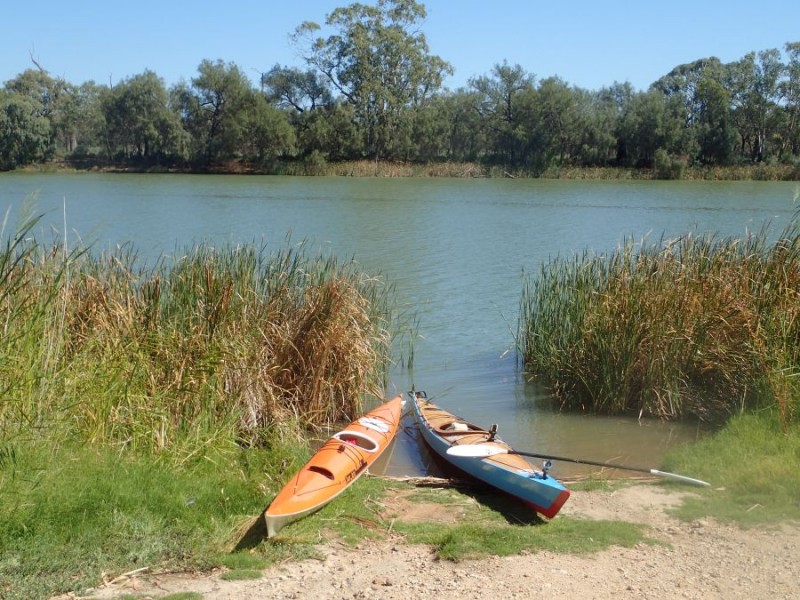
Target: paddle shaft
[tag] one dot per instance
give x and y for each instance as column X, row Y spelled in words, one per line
column 613, row 466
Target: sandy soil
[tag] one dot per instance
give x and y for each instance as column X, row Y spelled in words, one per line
column 704, row 559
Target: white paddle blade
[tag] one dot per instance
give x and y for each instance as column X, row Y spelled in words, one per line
column 683, row 478
column 476, row 450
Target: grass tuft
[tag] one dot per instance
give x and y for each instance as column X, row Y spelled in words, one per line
column 754, row 468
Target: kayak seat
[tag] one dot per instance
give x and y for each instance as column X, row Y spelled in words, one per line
column 459, row 428
column 358, row 439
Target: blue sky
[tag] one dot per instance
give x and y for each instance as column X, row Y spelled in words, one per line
column 590, row 44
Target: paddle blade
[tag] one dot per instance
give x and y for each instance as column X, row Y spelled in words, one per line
column 476, row 450
column 683, row 478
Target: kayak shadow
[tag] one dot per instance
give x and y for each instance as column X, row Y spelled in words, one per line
column 513, row 510
column 249, row 534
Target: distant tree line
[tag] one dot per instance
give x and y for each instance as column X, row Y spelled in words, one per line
column 371, row 89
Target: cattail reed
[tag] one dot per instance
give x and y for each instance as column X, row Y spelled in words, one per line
column 207, row 348
column 697, row 326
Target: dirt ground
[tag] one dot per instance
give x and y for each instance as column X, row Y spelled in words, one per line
column 703, row 559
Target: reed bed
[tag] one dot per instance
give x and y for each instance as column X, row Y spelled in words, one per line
column 693, row 327
column 212, row 348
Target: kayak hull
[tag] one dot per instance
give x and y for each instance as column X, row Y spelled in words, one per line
column 337, row 464
column 509, row 473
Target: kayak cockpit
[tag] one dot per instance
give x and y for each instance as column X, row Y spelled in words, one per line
column 459, row 428
column 357, row 438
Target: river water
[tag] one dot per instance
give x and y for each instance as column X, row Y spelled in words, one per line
column 455, row 249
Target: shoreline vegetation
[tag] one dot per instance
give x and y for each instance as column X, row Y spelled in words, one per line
column 696, row 327
column 463, row 170
column 209, row 347
column 150, row 413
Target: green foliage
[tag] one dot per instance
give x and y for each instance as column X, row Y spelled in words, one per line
column 379, row 61
column 373, row 90
column 244, row 561
column 754, row 467
column 269, row 134
column 668, row 167
column 139, row 122
column 241, row 574
column 497, row 99
column 484, row 530
column 216, row 111
column 24, row 133
column 69, row 514
column 694, row 326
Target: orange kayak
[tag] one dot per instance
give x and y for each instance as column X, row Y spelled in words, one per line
column 336, row 465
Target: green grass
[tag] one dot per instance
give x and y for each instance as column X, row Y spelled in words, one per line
column 148, row 416
column 482, row 535
column 70, row 515
column 491, row 526
column 754, row 468
column 241, row 574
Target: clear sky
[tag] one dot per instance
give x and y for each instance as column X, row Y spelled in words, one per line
column 588, row 43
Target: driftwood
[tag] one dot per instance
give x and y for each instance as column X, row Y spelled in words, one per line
column 435, row 482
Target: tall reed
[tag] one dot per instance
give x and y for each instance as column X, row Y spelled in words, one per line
column 208, row 349
column 696, row 326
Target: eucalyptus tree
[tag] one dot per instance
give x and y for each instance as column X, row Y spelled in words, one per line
column 139, row 122
column 560, row 121
column 697, row 95
column 715, row 133
column 614, row 102
column 38, row 86
column 439, row 132
column 25, row 133
column 790, row 92
column 295, row 89
column 598, row 116
column 467, row 135
column 81, row 122
column 214, row 110
column 642, row 127
column 379, row 62
column 684, row 82
column 268, row 134
column 57, row 100
column 755, row 93
column 500, row 98
column 329, row 132
column 46, row 96
column 312, row 110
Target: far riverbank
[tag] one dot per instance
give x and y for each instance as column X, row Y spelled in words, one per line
column 676, row 170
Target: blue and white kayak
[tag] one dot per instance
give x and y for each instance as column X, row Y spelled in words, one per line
column 509, row 473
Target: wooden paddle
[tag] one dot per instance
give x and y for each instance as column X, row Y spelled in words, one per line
column 484, row 451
